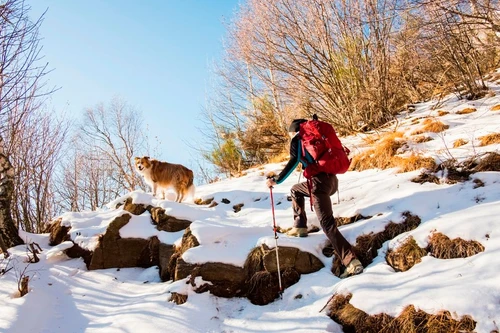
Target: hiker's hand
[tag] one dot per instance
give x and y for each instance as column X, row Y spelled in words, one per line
column 270, row 182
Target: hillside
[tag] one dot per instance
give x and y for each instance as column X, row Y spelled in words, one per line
column 455, row 206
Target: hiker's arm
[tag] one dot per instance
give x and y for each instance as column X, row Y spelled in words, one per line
column 292, row 163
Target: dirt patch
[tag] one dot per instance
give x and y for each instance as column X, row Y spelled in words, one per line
column 237, row 208
column 442, row 113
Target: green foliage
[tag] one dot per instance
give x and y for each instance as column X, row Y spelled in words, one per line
column 228, row 158
column 265, row 134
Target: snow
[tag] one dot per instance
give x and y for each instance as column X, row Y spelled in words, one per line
column 65, row 297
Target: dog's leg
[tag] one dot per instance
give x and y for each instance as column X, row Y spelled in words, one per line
column 155, row 187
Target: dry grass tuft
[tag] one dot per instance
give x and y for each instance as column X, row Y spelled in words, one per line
column 409, row 321
column 178, row 298
column 430, row 125
column 489, row 139
column 466, row 111
column 348, row 220
column 490, row 163
column 200, row 201
column 495, row 107
column 442, row 113
column 426, row 177
column 459, row 143
column 382, row 156
column 413, row 162
column 422, row 139
column 405, row 256
column 254, row 262
column 442, row 247
column 367, row 245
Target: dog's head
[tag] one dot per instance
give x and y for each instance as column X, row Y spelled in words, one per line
column 142, row 163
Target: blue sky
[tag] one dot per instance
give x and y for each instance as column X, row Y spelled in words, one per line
column 156, row 55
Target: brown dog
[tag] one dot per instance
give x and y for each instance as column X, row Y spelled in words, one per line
column 163, row 175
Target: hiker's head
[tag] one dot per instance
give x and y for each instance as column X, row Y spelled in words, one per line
column 295, row 125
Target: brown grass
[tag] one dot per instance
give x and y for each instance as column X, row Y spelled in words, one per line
column 430, row 125
column 442, row 247
column 200, row 201
column 178, row 298
column 413, row 162
column 495, row 107
column 459, row 143
column 367, row 245
column 279, row 158
column 489, row 139
column 405, row 256
column 254, row 262
column 422, row 139
column 381, row 156
column 348, row 220
column 466, row 111
column 489, row 163
column 442, row 113
column 409, row 320
column 426, row 177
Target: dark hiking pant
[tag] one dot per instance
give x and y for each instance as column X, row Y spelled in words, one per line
column 322, row 187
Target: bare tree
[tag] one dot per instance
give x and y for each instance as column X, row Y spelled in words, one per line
column 8, row 230
column 118, row 133
column 100, row 165
column 36, row 151
column 21, row 82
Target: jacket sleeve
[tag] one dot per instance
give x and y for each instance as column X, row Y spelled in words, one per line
column 295, row 147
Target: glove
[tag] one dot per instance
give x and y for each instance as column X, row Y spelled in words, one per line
column 270, row 182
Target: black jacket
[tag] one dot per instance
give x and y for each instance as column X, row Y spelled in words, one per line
column 295, row 158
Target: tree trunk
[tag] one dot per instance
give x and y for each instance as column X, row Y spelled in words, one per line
column 8, row 231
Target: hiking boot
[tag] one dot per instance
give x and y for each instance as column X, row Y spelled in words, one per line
column 297, row 232
column 355, row 267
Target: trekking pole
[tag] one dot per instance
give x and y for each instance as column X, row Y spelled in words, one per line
column 276, row 240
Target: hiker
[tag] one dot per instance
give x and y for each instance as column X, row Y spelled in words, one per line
column 321, row 187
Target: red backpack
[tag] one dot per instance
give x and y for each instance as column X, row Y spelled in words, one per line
column 321, row 142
